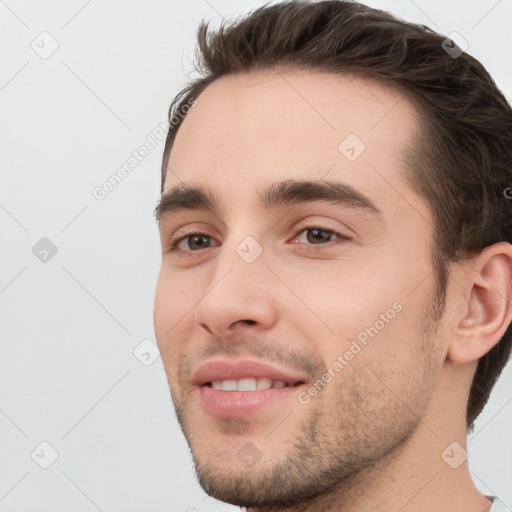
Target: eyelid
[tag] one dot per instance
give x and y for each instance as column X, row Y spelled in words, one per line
column 318, row 221
column 183, row 230
column 311, row 223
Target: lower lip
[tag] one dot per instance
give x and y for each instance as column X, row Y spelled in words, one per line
column 239, row 404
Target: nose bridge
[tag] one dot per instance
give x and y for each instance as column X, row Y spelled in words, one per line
column 238, row 288
column 243, row 248
column 241, row 262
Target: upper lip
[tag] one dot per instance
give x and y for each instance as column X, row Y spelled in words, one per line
column 234, row 370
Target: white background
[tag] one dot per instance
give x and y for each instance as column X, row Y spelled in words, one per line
column 68, row 327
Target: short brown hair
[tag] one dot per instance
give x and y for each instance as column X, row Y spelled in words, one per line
column 462, row 162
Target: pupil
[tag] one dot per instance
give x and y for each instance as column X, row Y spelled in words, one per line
column 323, row 235
column 198, row 237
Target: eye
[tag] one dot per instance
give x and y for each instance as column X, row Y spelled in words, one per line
column 315, row 235
column 197, row 240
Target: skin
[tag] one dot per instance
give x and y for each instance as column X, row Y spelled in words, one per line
column 373, row 438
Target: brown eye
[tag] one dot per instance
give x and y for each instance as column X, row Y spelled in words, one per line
column 197, row 241
column 190, row 242
column 317, row 236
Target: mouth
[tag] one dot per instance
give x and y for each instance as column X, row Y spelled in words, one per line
column 250, row 384
column 235, row 390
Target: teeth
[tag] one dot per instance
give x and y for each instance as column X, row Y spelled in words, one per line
column 264, row 383
column 248, row 384
column 229, row 385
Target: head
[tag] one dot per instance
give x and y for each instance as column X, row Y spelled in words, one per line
column 331, row 118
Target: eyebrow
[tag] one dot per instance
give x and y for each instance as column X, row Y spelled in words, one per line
column 184, row 197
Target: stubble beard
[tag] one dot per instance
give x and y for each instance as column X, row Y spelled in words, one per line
column 333, row 447
column 326, row 453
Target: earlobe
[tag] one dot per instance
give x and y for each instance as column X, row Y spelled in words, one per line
column 488, row 310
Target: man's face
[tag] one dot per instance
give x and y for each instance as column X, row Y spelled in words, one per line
column 331, row 297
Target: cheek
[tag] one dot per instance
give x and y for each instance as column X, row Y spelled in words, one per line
column 381, row 368
column 363, row 312
column 175, row 294
column 172, row 310
column 346, row 297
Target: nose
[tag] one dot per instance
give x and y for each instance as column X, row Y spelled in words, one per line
column 240, row 295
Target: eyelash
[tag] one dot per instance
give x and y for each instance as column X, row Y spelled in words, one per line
column 173, row 246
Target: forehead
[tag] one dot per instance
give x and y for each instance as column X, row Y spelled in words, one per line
column 250, row 130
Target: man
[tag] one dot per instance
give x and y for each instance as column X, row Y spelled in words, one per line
column 333, row 305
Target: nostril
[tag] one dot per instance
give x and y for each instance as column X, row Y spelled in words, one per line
column 250, row 322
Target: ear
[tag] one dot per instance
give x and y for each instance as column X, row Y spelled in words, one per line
column 488, row 304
